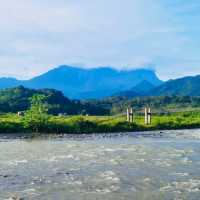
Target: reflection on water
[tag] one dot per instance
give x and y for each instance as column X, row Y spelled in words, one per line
column 153, row 166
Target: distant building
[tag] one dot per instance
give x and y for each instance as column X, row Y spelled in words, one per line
column 62, row 114
column 20, row 113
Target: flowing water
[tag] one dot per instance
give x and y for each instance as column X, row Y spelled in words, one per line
column 135, row 166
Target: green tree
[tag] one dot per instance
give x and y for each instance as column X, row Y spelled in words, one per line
column 36, row 118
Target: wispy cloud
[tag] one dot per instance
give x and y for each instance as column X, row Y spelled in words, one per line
column 38, row 35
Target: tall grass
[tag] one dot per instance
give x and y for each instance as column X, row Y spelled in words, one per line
column 11, row 123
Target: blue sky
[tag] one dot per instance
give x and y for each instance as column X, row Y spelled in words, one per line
column 39, row 35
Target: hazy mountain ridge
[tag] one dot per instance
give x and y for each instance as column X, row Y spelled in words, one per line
column 86, row 83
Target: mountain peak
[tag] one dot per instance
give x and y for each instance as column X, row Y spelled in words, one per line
column 66, row 68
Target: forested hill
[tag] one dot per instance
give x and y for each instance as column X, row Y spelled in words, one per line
column 186, row 86
column 18, row 99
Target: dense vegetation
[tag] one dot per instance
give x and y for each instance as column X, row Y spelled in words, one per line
column 162, row 104
column 18, row 99
column 37, row 120
column 11, row 123
column 42, row 107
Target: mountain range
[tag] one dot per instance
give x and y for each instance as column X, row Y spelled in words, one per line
column 79, row 83
column 101, row 82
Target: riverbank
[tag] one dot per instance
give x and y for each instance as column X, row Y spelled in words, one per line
column 10, row 123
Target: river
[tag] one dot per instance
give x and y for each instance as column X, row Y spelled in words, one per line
column 133, row 166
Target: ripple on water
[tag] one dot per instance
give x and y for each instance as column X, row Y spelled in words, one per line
column 191, row 185
column 183, row 174
column 109, row 176
column 16, row 162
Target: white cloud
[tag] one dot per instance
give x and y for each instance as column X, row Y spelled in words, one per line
column 38, row 35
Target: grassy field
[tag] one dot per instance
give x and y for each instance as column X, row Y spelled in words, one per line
column 11, row 123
